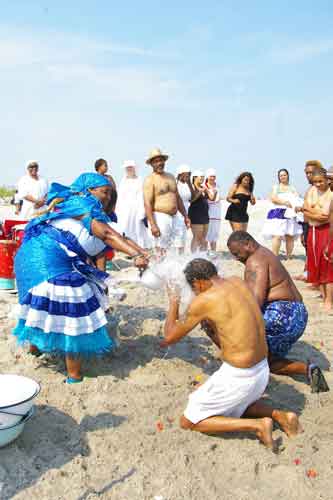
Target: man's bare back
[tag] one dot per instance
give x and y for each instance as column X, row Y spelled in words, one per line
column 161, row 191
column 266, row 270
column 232, row 311
column 235, row 321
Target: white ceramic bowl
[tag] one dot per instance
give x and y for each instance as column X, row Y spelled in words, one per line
column 8, row 434
column 151, row 280
column 17, row 394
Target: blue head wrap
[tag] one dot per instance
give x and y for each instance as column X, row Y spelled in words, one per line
column 77, row 201
column 89, row 180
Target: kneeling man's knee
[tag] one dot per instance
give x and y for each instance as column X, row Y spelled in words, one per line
column 185, row 423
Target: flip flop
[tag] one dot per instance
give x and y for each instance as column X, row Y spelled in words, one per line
column 316, row 379
column 37, row 354
column 70, row 380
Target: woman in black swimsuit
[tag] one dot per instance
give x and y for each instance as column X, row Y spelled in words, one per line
column 240, row 194
column 198, row 212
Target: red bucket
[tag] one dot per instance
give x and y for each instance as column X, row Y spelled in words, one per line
column 8, row 250
column 18, row 234
column 109, row 254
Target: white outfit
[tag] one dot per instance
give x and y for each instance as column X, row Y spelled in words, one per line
column 214, row 212
column 180, row 227
column 166, row 224
column 90, row 243
column 287, row 224
column 37, row 188
column 228, row 392
column 130, row 210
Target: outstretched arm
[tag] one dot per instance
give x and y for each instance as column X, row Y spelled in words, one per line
column 175, row 329
column 257, row 278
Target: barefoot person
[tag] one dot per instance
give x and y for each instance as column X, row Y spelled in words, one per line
column 162, row 201
column 283, row 309
column 62, row 297
column 237, row 328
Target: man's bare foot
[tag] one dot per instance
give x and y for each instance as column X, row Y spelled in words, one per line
column 289, row 423
column 264, row 432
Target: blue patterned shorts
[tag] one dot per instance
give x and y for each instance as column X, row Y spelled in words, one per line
column 285, row 323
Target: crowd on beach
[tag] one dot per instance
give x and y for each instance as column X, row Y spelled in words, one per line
column 255, row 321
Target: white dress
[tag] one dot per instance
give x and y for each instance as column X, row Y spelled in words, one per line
column 214, row 211
column 37, row 188
column 180, row 230
column 130, row 210
column 282, row 221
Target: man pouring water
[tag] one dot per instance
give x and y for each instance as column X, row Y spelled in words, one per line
column 162, row 201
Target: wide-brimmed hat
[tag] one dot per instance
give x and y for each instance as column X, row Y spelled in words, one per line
column 210, row 172
column 183, row 169
column 156, row 153
column 129, row 163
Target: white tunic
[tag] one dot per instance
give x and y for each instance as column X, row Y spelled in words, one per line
column 180, row 229
column 130, row 210
column 214, row 210
column 37, row 188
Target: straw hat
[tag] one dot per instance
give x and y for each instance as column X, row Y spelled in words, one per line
column 183, row 169
column 211, row 172
column 156, row 153
column 129, row 163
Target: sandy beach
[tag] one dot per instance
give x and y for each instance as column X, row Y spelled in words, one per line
column 116, row 435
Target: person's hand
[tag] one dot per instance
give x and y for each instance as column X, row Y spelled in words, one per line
column 155, row 231
column 253, row 200
column 174, row 292
column 288, row 204
column 236, row 201
column 187, row 222
column 39, row 203
column 141, row 262
column 298, row 209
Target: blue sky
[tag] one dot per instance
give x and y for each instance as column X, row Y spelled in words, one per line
column 218, row 84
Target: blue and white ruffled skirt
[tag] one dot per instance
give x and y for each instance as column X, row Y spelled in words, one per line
column 64, row 316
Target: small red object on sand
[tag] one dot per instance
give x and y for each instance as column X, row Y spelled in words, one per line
column 311, row 473
column 297, row 461
column 322, row 344
column 159, row 426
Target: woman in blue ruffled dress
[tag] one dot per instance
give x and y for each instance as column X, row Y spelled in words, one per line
column 61, row 293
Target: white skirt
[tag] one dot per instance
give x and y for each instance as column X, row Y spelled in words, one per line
column 282, row 228
column 213, row 230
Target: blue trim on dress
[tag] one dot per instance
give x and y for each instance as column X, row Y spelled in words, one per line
column 72, row 280
column 69, row 309
column 276, row 213
column 97, row 343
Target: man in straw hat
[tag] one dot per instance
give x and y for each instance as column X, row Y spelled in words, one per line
column 162, row 201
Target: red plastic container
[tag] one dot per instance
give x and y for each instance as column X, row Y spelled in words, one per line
column 8, row 250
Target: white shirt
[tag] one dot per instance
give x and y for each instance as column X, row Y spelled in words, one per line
column 28, row 186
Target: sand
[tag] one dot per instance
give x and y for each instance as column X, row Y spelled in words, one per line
column 116, row 435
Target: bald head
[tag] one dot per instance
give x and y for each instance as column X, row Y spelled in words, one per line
column 242, row 245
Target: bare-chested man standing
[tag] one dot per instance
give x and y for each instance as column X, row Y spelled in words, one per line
column 236, row 326
column 281, row 303
column 162, row 201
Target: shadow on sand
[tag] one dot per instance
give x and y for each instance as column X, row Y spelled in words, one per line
column 50, row 440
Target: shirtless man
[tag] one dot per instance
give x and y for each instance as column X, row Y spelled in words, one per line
column 162, row 201
column 237, row 328
column 282, row 305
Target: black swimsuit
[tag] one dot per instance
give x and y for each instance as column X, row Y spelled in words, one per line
column 237, row 212
column 198, row 211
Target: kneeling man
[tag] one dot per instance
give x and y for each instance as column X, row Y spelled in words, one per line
column 234, row 322
column 281, row 303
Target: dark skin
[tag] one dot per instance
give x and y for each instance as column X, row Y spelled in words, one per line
column 237, row 327
column 269, row 281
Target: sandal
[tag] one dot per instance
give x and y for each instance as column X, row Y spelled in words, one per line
column 316, row 379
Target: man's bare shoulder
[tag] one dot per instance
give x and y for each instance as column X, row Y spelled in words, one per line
column 149, row 180
column 261, row 257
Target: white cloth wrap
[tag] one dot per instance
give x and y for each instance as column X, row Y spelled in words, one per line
column 228, row 392
column 166, row 224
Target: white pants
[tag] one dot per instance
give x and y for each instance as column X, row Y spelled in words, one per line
column 166, row 224
column 228, row 392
